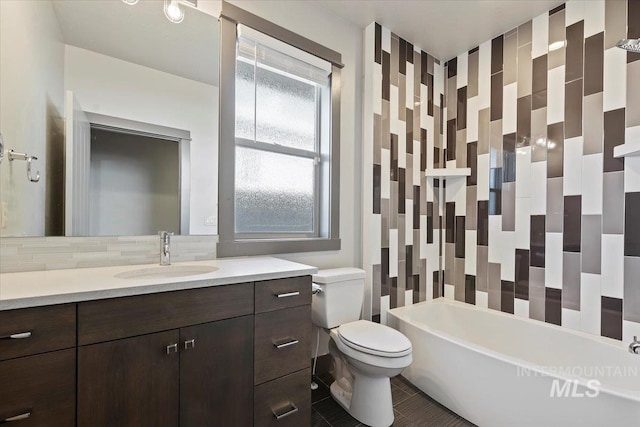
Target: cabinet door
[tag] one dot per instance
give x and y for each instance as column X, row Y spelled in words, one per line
column 39, row 390
column 130, row 382
column 216, row 374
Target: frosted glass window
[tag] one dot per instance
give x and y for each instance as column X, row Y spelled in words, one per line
column 275, row 193
column 245, row 100
column 286, row 110
column 280, row 120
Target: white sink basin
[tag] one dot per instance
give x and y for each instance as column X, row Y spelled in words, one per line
column 166, row 272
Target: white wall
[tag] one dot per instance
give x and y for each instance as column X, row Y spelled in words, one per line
column 31, row 106
column 323, row 27
column 113, row 87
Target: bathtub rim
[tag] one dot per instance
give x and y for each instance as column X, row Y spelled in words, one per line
column 397, row 313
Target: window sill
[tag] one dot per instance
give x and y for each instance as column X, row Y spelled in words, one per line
column 277, row 246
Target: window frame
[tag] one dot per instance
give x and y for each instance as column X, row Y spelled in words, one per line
column 327, row 173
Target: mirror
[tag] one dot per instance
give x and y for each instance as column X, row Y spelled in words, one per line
column 116, row 107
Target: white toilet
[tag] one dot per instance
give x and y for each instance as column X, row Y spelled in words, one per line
column 366, row 354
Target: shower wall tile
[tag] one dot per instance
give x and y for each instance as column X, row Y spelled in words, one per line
column 615, row 22
column 590, row 303
column 631, row 289
column 407, row 138
column 611, row 318
column 591, row 243
column 537, row 293
column 553, row 306
column 613, row 203
column 592, row 184
column 555, row 95
column 633, row 94
column 545, row 226
column 571, row 281
column 593, row 126
column 593, row 64
column 554, row 260
column 615, row 78
column 631, row 228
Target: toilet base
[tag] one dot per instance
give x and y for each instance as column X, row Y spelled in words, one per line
column 365, row 398
column 370, row 402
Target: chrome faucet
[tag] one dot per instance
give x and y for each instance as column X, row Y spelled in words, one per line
column 634, row 347
column 165, row 247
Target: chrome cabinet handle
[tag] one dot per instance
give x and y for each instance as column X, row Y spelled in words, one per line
column 172, row 348
column 189, row 343
column 16, row 418
column 17, row 336
column 280, row 415
column 287, row 343
column 288, row 294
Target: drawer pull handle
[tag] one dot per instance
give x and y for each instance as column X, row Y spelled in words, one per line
column 18, row 336
column 287, row 343
column 290, row 409
column 172, row 348
column 16, row 418
column 288, row 294
column 189, row 344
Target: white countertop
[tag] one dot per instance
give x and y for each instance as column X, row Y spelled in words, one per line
column 32, row 289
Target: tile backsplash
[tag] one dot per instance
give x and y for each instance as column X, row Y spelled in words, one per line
column 546, row 225
column 53, row 253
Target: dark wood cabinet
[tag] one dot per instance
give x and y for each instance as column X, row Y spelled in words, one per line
column 39, row 390
column 216, row 378
column 285, row 401
column 197, row 373
column 130, row 382
column 232, row 355
column 282, row 353
column 36, row 330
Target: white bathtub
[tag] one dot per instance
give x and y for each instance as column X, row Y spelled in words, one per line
column 496, row 369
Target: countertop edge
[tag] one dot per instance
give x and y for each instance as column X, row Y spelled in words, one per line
column 75, row 297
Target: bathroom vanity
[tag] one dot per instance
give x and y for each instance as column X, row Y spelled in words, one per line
column 227, row 348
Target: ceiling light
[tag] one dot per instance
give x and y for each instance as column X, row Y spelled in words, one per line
column 556, row 45
column 173, row 12
column 130, row 2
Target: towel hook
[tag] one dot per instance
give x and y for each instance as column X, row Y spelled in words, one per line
column 23, row 156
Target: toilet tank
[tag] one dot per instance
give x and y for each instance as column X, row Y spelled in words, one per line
column 340, row 299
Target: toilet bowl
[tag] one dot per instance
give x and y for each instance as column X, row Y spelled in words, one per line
column 365, row 354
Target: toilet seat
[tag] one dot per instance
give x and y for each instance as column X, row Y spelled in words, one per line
column 391, row 360
column 374, row 338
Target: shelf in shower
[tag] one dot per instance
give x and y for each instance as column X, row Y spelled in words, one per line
column 628, row 149
column 447, row 172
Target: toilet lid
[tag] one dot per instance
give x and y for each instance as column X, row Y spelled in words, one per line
column 374, row 338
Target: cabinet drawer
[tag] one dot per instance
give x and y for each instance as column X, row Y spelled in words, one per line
column 36, row 330
column 282, row 293
column 117, row 318
column 282, row 342
column 284, row 402
column 39, row 390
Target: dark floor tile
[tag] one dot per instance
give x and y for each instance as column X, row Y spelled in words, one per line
column 317, row 420
column 334, row 414
column 321, row 393
column 326, row 378
column 404, row 384
column 398, row 395
column 429, row 412
column 402, row 421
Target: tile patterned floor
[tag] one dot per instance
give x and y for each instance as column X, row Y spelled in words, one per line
column 411, row 407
